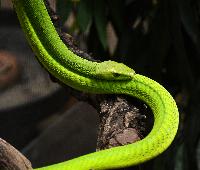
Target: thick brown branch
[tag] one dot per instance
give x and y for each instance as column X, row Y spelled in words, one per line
column 121, row 122
column 11, row 158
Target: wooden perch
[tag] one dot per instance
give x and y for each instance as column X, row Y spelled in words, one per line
column 11, row 158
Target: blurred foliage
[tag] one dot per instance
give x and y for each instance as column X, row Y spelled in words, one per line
column 160, row 39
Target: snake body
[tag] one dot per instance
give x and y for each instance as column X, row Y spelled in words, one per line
column 107, row 77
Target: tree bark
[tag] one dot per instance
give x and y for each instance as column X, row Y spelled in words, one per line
column 11, row 158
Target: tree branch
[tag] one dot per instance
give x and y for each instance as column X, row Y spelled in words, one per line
column 11, row 158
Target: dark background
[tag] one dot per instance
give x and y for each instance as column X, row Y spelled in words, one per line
column 159, row 39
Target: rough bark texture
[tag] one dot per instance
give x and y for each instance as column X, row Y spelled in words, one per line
column 121, row 122
column 12, row 159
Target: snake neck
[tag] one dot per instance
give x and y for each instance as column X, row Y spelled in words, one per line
column 40, row 27
column 46, row 33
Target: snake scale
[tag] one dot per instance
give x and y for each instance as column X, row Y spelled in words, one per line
column 107, row 77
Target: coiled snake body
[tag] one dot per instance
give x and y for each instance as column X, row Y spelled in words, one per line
column 106, row 77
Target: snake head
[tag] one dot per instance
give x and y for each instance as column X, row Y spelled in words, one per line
column 111, row 70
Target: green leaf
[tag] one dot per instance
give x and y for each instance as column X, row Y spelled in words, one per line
column 64, row 7
column 116, row 10
column 185, row 76
column 101, row 21
column 189, row 18
column 84, row 16
column 179, row 157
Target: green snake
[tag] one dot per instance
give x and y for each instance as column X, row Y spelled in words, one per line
column 107, row 77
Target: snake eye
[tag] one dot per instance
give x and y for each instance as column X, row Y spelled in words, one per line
column 116, row 74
